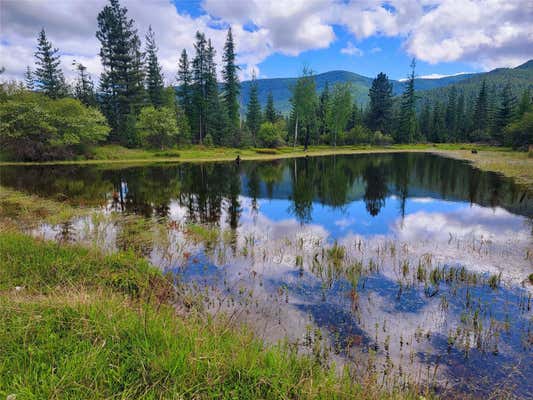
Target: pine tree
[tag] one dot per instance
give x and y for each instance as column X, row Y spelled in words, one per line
column 380, row 106
column 199, row 98
column 506, row 113
column 84, row 87
column 437, row 124
column 525, row 102
column 121, row 83
column 425, row 121
column 48, row 75
column 216, row 122
column 451, row 115
column 253, row 114
column 270, row 112
column 154, row 77
column 481, row 110
column 407, row 124
column 461, row 121
column 231, row 82
column 356, row 116
column 28, row 79
column 185, row 86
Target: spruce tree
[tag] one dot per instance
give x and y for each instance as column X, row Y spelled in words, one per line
column 525, row 102
column 231, row 83
column 380, row 106
column 199, row 98
column 28, row 79
column 48, row 75
column 253, row 114
column 425, row 121
column 461, row 120
column 407, row 124
column 84, row 86
column 507, row 112
column 185, row 85
column 121, row 83
column 270, row 112
column 451, row 115
column 154, row 77
column 216, row 123
column 481, row 110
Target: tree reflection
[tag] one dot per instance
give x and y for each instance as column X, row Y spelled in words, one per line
column 376, row 189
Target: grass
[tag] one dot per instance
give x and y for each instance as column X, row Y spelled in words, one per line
column 80, row 325
column 18, row 208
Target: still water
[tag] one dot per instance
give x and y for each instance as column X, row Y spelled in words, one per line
column 413, row 265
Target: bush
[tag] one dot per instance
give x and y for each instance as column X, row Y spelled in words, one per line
column 34, row 127
column 359, row 134
column 157, row 127
column 519, row 134
column 271, row 134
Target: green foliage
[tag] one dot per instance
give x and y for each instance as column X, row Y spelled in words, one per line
column 407, row 121
column 338, row 112
column 253, row 114
column 271, row 134
column 304, row 102
column 185, row 94
column 48, row 76
column 121, row 83
column 154, row 77
column 271, row 114
column 519, row 134
column 157, row 127
column 84, row 87
column 380, row 106
column 34, row 127
column 231, row 83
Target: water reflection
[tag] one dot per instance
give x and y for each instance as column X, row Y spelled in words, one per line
column 398, row 258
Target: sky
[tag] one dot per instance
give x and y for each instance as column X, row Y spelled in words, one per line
column 277, row 38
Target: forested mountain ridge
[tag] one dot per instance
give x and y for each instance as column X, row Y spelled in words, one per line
column 520, row 77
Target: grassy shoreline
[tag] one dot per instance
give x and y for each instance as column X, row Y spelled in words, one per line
column 513, row 164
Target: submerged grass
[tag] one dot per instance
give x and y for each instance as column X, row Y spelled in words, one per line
column 78, row 324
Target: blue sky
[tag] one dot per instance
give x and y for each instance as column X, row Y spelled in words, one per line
column 276, row 38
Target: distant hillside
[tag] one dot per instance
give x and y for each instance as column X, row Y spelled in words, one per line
column 520, row 77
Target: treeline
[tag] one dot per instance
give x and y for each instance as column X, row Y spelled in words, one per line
column 132, row 106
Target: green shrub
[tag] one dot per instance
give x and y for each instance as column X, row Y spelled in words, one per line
column 34, row 127
column 157, row 127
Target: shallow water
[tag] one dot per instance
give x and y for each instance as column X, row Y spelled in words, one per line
column 412, row 264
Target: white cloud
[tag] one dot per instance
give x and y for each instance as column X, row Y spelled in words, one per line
column 485, row 33
column 375, row 50
column 351, row 50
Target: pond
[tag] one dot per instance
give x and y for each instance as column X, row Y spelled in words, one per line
column 414, row 265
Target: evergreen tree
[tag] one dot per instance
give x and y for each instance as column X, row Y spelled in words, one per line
column 380, row 106
column 199, row 83
column 84, row 87
column 28, row 79
column 48, row 75
column 451, row 115
column 425, row 121
column 270, row 112
column 253, row 114
column 356, row 117
column 216, row 122
column 154, row 77
column 481, row 110
column 437, row 124
column 407, row 124
column 506, row 113
column 231, row 82
column 185, row 86
column 461, row 121
column 121, row 83
column 525, row 102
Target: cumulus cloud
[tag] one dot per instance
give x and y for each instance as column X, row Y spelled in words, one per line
column 351, row 50
column 485, row 33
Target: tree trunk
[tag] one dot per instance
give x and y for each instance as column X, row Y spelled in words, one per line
column 295, row 132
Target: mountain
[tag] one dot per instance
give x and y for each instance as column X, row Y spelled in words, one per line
column 520, row 77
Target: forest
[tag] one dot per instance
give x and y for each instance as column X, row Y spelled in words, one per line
column 46, row 118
